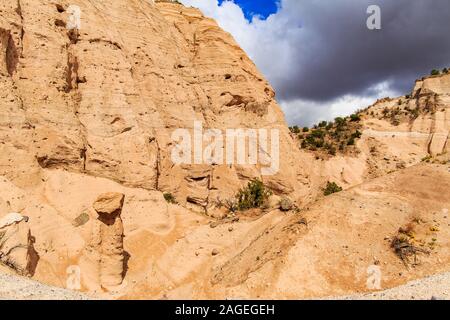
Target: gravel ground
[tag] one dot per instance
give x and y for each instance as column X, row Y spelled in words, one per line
column 436, row 287
column 20, row 288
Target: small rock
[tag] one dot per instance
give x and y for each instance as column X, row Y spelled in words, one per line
column 215, row 252
column 230, row 229
column 214, row 224
column 286, row 204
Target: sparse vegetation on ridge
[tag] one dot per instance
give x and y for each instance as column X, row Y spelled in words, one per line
column 436, row 72
column 330, row 137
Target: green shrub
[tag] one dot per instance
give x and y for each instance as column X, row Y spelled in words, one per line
column 435, row 72
column 169, row 198
column 295, row 129
column 331, row 149
column 339, row 121
column 323, row 124
column 355, row 117
column 317, row 134
column 331, row 188
column 356, row 135
column 351, row 141
column 319, row 143
column 253, row 196
column 305, row 129
column 445, row 70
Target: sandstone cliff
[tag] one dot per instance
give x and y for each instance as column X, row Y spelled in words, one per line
column 104, row 100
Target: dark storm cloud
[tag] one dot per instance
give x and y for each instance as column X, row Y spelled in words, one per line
column 333, row 53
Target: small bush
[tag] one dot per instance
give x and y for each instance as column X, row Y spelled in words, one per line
column 351, row 141
column 331, row 188
column 305, row 129
column 404, row 248
column 355, row 117
column 435, row 72
column 318, row 134
column 295, row 129
column 445, row 70
column 339, row 121
column 356, row 135
column 332, row 150
column 169, row 198
column 231, row 205
column 253, row 196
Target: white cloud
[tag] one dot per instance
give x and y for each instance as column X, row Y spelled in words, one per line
column 265, row 41
column 304, row 112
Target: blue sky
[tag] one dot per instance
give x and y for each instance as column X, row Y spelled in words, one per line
column 262, row 8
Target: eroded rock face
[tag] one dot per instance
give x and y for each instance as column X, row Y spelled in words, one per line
column 111, row 93
column 16, row 244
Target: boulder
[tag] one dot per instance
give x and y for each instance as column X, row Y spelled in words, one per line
column 109, row 203
column 286, row 204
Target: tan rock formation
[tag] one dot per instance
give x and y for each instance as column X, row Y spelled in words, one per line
column 106, row 246
column 17, row 244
